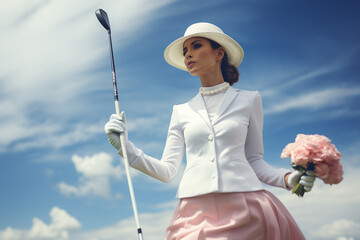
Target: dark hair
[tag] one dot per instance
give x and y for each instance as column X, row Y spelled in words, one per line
column 230, row 72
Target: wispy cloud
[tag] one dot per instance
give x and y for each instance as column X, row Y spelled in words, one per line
column 302, row 87
column 314, row 100
column 47, row 50
column 48, row 135
column 292, row 77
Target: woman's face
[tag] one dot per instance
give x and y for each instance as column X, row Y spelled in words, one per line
column 200, row 57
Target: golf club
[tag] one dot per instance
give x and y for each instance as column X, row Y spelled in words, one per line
column 104, row 20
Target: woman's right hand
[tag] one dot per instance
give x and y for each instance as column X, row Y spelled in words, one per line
column 114, row 127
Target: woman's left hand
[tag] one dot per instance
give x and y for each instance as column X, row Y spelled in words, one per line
column 297, row 176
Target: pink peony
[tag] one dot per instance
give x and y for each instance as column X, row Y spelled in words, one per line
column 300, row 155
column 335, row 174
column 287, row 150
column 322, row 170
column 319, row 150
column 331, row 154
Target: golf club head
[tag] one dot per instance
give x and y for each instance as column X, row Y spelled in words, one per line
column 103, row 18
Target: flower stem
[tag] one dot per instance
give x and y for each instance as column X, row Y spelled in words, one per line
column 298, row 190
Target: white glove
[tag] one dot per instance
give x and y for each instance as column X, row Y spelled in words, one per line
column 113, row 128
column 307, row 181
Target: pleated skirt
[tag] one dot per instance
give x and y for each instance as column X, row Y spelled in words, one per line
column 257, row 215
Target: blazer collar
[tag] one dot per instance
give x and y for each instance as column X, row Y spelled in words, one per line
column 227, row 99
column 198, row 104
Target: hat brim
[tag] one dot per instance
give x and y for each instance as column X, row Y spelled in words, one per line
column 174, row 52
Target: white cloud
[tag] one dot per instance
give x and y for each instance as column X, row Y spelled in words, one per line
column 61, row 225
column 11, row 234
column 95, row 171
column 59, row 228
column 339, row 229
column 98, row 165
column 153, row 226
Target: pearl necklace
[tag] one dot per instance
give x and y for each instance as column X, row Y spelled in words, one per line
column 214, row 91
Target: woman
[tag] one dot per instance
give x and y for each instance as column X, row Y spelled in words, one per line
column 220, row 129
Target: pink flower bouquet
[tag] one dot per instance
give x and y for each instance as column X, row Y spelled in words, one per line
column 314, row 152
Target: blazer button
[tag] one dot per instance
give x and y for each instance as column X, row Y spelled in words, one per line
column 212, row 159
column 210, row 137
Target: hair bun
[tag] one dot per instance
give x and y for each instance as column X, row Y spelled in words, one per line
column 230, row 72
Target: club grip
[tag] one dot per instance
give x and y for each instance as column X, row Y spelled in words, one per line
column 117, row 108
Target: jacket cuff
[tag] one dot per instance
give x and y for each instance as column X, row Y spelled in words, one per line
column 130, row 151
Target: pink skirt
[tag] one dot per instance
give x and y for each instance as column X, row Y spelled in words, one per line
column 255, row 215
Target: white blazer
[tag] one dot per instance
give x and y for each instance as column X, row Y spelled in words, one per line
column 225, row 155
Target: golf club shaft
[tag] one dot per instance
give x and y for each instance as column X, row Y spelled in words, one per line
column 123, row 144
column 132, row 195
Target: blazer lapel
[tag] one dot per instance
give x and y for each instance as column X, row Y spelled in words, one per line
column 198, row 104
column 227, row 99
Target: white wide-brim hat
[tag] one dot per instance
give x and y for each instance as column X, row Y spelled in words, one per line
column 174, row 52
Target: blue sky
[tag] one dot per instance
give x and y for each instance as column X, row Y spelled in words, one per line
column 59, row 177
